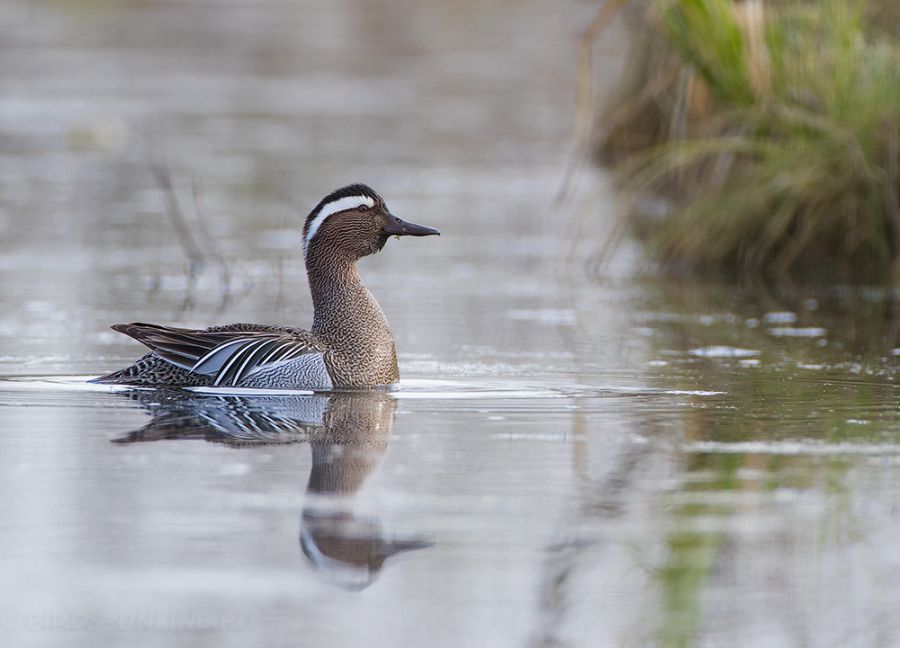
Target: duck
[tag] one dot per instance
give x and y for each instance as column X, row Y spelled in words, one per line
column 350, row 344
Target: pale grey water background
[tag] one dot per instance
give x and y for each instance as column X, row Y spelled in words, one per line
column 596, row 460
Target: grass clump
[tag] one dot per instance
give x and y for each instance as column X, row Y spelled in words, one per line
column 773, row 132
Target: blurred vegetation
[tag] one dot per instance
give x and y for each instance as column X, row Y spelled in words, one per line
column 762, row 140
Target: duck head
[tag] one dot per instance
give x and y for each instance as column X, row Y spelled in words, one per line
column 354, row 221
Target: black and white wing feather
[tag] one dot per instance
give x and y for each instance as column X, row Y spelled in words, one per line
column 228, row 354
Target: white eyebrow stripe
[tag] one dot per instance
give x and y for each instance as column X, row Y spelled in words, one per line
column 334, row 207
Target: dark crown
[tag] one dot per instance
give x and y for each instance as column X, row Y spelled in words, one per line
column 356, row 189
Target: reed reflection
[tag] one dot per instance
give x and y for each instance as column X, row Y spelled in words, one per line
column 348, row 435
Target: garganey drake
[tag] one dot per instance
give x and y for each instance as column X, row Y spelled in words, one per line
column 350, row 345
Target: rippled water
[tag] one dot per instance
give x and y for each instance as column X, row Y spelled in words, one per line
column 574, row 457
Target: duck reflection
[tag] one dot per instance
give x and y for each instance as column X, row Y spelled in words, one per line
column 348, row 435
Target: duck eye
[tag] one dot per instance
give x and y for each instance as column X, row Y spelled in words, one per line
column 363, row 207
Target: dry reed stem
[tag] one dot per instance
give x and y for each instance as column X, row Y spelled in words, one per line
column 585, row 107
column 586, row 104
column 189, row 245
column 751, row 19
column 215, row 250
column 892, row 192
column 631, row 107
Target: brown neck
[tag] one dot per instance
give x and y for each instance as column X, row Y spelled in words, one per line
column 349, row 321
column 335, row 285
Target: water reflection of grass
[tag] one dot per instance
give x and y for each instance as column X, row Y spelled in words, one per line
column 710, row 550
column 691, row 557
column 736, row 510
column 691, row 554
column 775, row 130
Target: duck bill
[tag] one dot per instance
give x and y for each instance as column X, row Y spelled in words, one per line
column 399, row 227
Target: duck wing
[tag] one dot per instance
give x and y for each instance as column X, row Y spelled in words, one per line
column 227, row 353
